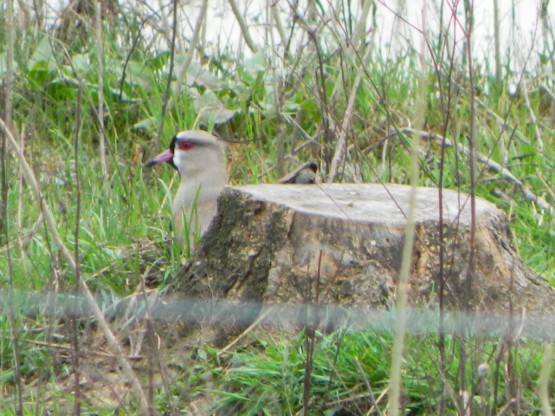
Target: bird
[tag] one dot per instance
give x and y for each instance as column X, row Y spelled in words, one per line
column 199, row 158
column 306, row 174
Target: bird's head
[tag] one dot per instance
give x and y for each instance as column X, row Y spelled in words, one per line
column 191, row 151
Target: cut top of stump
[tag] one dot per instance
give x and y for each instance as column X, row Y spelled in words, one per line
column 373, row 203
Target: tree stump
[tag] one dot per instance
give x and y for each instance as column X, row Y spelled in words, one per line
column 341, row 244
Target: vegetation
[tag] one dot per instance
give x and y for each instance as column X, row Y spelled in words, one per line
column 89, row 99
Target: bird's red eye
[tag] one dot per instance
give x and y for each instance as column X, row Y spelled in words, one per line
column 185, row 146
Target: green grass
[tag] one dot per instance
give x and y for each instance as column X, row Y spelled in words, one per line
column 267, row 376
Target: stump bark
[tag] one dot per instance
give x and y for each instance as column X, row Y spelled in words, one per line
column 342, row 244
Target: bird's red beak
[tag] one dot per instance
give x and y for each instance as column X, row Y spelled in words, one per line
column 167, row 156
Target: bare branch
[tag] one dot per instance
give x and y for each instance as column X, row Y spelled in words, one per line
column 100, row 66
column 51, row 224
column 339, row 155
column 243, row 25
column 491, row 164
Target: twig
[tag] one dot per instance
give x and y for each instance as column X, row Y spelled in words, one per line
column 4, row 227
column 166, row 99
column 533, row 118
column 8, row 82
column 51, row 224
column 100, row 89
column 353, row 41
column 503, row 124
column 328, row 123
column 25, row 239
column 339, row 154
column 277, row 84
column 243, row 25
column 309, row 139
column 492, row 165
column 278, row 25
column 497, row 42
column 252, row 326
column 169, row 99
column 310, row 336
column 543, row 382
column 189, row 57
column 360, row 30
column 20, row 186
column 73, row 320
column 375, row 406
column 130, row 53
column 82, row 352
column 464, row 399
column 544, row 87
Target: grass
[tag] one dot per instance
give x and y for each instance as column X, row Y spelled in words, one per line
column 124, row 218
column 351, row 374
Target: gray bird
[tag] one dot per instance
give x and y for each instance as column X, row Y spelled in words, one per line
column 199, row 158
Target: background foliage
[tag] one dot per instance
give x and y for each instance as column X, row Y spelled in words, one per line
column 93, row 89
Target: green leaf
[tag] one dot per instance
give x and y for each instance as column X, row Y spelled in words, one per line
column 43, row 53
column 211, row 109
column 254, row 64
column 3, row 64
column 198, row 75
column 39, row 73
column 81, row 64
column 160, row 61
column 140, row 74
column 145, row 124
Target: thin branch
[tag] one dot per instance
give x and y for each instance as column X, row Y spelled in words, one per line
column 328, row 122
column 497, row 41
column 25, row 239
column 166, row 99
column 51, row 224
column 100, row 67
column 375, row 407
column 277, row 84
column 543, row 382
column 532, row 115
column 339, row 155
column 243, row 25
column 492, row 165
column 191, row 50
column 4, row 225
column 278, row 25
column 8, row 80
column 73, row 322
column 501, row 122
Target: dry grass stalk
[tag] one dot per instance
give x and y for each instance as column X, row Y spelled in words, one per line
column 51, row 224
